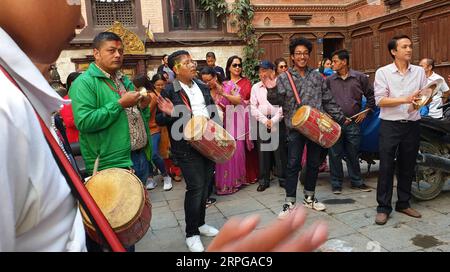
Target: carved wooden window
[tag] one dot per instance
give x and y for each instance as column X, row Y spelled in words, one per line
column 106, row 12
column 188, row 15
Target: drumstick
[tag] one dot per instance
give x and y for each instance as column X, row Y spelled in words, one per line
column 359, row 113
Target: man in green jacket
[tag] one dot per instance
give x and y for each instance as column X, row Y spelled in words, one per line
column 112, row 118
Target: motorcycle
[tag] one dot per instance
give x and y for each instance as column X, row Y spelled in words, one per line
column 433, row 160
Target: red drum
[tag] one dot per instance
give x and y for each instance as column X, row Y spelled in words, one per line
column 123, row 200
column 210, row 139
column 316, row 126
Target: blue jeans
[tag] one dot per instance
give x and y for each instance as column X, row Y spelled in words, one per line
column 156, row 158
column 140, row 164
column 347, row 147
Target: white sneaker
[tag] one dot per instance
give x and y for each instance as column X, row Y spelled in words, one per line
column 286, row 210
column 151, row 184
column 208, row 230
column 312, row 203
column 195, row 244
column 167, row 183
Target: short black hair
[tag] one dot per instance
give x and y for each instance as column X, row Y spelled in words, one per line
column 165, row 55
column 393, row 43
column 211, row 55
column 103, row 37
column 71, row 78
column 210, row 71
column 300, row 41
column 175, row 57
column 143, row 81
column 342, row 54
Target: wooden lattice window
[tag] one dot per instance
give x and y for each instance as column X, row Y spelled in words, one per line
column 105, row 13
column 188, row 15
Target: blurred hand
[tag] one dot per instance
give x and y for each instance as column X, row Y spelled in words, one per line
column 129, row 99
column 238, row 235
column 361, row 117
column 145, row 101
column 347, row 121
column 165, row 105
column 269, row 123
column 269, row 80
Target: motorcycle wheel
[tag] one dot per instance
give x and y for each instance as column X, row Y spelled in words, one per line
column 428, row 182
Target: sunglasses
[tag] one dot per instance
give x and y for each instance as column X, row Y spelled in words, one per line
column 282, row 66
column 236, row 65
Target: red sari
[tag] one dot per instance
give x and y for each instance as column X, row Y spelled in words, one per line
column 251, row 157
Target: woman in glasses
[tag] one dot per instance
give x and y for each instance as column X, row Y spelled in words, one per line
column 281, row 66
column 231, row 174
column 234, row 75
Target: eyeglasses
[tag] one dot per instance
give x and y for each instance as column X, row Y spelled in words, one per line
column 282, row 66
column 236, row 65
column 305, row 54
column 188, row 63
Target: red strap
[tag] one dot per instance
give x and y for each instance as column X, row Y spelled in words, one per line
column 185, row 101
column 77, row 183
column 294, row 88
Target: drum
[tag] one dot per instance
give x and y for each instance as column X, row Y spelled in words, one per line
column 121, row 197
column 210, row 139
column 316, row 126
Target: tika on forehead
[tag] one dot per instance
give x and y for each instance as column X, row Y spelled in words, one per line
column 74, row 2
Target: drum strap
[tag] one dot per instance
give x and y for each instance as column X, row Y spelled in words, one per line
column 75, row 183
column 185, row 100
column 294, row 88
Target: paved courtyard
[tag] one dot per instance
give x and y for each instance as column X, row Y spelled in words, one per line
column 350, row 217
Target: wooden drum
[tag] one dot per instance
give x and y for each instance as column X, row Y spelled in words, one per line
column 210, row 139
column 316, row 126
column 123, row 200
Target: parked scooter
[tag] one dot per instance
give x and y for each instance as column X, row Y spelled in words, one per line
column 433, row 160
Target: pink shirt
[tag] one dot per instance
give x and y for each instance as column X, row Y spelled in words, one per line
column 259, row 106
column 389, row 82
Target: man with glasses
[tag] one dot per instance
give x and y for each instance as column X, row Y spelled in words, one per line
column 194, row 96
column 312, row 91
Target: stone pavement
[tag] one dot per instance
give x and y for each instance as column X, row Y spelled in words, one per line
column 350, row 217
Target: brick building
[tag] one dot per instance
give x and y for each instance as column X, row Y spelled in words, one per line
column 362, row 26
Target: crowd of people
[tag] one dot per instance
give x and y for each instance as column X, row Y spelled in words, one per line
column 118, row 126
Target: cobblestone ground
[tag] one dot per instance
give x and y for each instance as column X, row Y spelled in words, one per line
column 350, row 217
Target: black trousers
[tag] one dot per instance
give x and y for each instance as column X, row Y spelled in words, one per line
column 198, row 172
column 397, row 140
column 296, row 143
column 268, row 158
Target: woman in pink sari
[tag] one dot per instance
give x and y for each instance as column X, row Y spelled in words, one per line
column 231, row 174
column 234, row 74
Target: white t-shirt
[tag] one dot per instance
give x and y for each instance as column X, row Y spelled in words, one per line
column 196, row 98
column 437, row 99
column 37, row 209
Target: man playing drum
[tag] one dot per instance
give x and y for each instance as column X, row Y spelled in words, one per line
column 312, row 91
column 198, row 170
column 111, row 117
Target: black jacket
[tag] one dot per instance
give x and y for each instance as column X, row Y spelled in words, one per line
column 173, row 91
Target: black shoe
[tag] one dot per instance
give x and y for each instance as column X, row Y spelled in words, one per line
column 262, row 187
column 362, row 187
column 210, row 201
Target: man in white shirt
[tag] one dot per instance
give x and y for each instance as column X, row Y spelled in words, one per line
column 441, row 94
column 396, row 88
column 37, row 209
